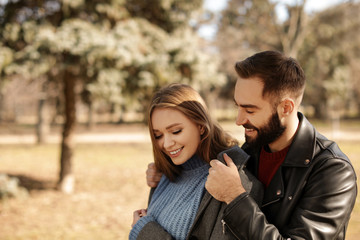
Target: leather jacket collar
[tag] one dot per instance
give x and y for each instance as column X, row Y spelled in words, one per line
column 304, row 136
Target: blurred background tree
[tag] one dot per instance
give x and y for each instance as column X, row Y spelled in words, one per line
column 69, row 61
column 255, row 25
column 330, row 55
column 326, row 43
column 112, row 54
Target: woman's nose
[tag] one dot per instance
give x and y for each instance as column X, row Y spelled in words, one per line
column 168, row 141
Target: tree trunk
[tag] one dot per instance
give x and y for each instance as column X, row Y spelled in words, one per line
column 90, row 119
column 66, row 180
column 1, row 103
column 43, row 125
column 320, row 111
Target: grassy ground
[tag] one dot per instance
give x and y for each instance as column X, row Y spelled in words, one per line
column 110, row 184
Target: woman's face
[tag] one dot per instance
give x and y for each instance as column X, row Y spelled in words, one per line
column 176, row 135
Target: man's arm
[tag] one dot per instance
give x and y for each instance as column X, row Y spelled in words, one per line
column 153, row 230
column 321, row 212
column 145, row 227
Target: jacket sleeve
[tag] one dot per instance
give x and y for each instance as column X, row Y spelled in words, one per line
column 153, row 230
column 322, row 211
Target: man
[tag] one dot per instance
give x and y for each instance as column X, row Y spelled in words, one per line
column 310, row 185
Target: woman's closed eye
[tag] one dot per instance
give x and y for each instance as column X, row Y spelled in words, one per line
column 157, row 136
column 177, row 131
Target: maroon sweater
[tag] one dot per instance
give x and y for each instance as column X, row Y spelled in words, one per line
column 269, row 164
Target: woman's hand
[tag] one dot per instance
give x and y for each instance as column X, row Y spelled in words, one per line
column 137, row 215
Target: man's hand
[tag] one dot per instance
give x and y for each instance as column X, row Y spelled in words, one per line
column 224, row 182
column 153, row 176
column 137, row 215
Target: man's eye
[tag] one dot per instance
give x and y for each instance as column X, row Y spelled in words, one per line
column 177, row 132
column 250, row 112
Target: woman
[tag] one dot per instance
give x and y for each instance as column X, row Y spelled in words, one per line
column 185, row 139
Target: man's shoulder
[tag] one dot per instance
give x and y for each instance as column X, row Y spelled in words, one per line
column 329, row 154
column 324, row 148
column 327, row 148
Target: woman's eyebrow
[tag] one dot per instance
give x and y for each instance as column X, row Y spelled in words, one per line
column 168, row 127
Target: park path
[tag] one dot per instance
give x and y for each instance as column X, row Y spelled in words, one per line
column 98, row 134
column 140, row 135
column 79, row 138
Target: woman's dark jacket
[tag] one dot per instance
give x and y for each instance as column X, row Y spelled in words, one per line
column 208, row 221
column 311, row 195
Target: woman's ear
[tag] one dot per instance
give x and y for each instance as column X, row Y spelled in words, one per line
column 202, row 129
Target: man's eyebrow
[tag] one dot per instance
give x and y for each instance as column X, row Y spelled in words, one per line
column 246, row 105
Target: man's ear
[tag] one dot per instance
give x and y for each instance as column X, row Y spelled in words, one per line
column 287, row 106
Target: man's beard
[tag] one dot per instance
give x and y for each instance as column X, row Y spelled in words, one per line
column 267, row 134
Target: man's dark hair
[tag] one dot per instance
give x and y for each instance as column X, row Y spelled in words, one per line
column 279, row 73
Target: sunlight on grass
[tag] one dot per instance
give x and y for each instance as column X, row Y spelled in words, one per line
column 110, row 185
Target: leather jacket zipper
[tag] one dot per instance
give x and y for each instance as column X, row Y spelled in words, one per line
column 270, row 202
column 224, row 227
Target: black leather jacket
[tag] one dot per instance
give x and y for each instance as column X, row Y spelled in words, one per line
column 311, row 196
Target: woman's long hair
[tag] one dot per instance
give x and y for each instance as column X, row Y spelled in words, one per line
column 185, row 99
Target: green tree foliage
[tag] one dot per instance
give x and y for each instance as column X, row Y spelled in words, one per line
column 124, row 49
column 169, row 15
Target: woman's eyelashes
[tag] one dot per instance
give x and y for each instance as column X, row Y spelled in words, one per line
column 177, row 131
column 158, row 136
column 173, row 132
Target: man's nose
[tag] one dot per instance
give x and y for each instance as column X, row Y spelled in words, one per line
column 240, row 118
